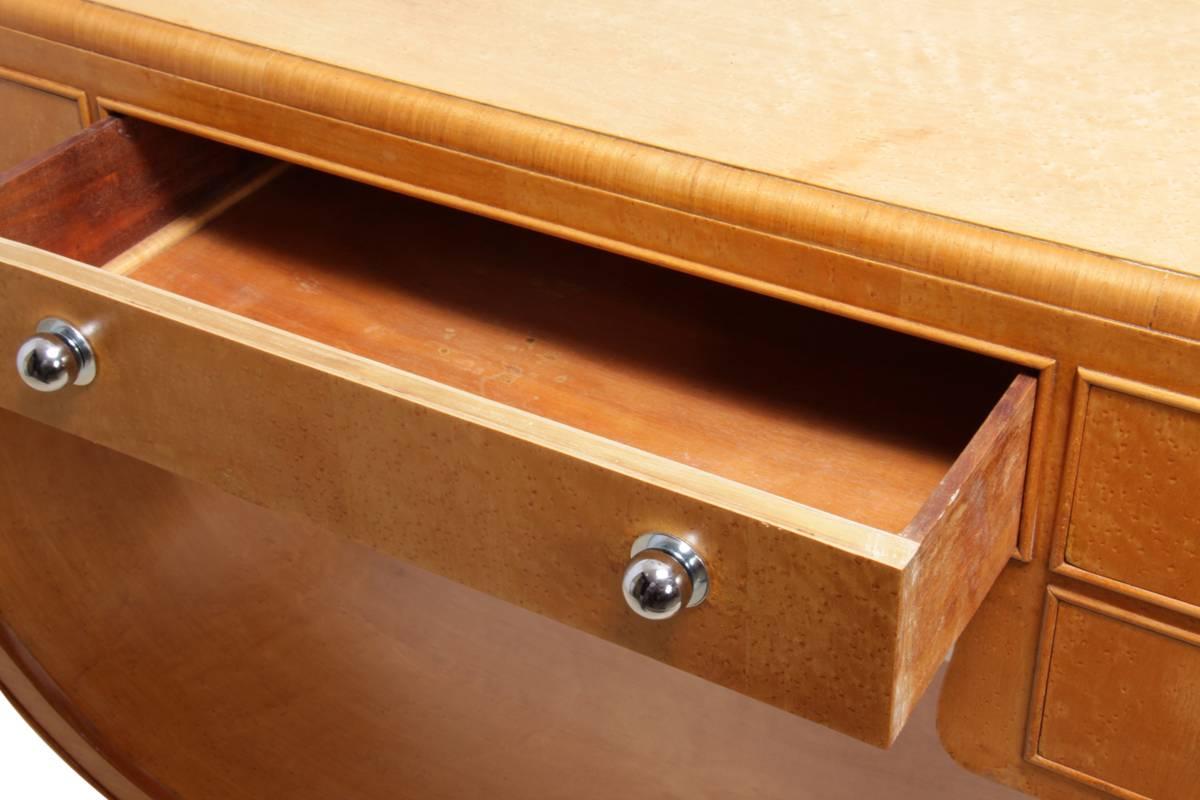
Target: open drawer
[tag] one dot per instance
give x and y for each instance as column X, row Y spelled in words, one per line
column 513, row 411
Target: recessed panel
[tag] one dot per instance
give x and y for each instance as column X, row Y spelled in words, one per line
column 1116, row 693
column 34, row 120
column 1135, row 517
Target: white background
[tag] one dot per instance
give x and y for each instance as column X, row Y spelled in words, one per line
column 29, row 769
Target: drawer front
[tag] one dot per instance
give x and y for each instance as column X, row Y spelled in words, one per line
column 818, row 614
column 1119, row 687
column 1134, row 517
column 38, row 114
column 441, row 479
column 250, row 656
column 421, row 472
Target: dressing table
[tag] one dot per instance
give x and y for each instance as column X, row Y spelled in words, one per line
column 375, row 359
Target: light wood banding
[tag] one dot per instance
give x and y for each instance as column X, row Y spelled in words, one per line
column 958, row 110
column 1044, row 304
column 557, row 177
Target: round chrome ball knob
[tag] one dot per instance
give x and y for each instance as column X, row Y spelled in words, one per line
column 655, row 588
column 665, row 574
column 57, row 356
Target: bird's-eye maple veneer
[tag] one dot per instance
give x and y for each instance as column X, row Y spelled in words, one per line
column 905, row 383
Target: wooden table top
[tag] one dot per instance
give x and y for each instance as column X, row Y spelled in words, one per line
column 1074, row 123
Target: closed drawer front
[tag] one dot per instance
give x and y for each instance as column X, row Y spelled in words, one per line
column 1118, row 687
column 1134, row 516
column 37, row 115
column 513, row 411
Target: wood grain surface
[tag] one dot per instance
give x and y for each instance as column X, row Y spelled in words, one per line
column 1133, row 517
column 969, row 530
column 1121, row 705
column 95, row 195
column 815, row 246
column 991, row 704
column 870, row 621
column 418, row 469
column 233, row 653
column 1051, row 307
column 850, row 419
column 37, row 115
column 1072, row 124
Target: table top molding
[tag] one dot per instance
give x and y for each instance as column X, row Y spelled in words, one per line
column 1062, row 275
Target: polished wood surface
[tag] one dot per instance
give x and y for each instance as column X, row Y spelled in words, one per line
column 850, row 419
column 1119, row 704
column 1072, row 123
column 551, row 497
column 883, row 262
column 230, row 653
column 970, row 531
column 97, row 194
column 995, row 688
column 1137, row 470
column 1057, row 309
column 365, row 445
column 37, row 115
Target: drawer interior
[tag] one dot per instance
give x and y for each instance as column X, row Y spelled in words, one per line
column 855, row 420
column 494, row 405
column 858, row 421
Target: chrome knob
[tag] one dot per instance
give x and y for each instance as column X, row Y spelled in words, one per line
column 57, row 356
column 664, row 575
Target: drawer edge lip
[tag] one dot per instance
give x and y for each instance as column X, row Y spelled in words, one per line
column 1126, row 589
column 1015, row 407
column 892, row 550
